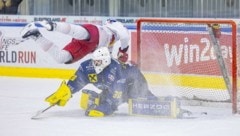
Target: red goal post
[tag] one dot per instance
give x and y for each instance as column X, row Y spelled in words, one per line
column 152, row 31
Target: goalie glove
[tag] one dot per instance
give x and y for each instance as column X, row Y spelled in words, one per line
column 122, row 55
column 49, row 25
column 61, row 96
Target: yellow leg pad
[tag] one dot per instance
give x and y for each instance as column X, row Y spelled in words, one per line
column 95, row 113
column 84, row 100
column 97, row 100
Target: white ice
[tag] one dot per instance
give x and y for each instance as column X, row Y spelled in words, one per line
column 21, row 98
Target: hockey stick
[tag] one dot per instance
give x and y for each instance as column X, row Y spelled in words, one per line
column 37, row 115
column 17, row 40
column 220, row 59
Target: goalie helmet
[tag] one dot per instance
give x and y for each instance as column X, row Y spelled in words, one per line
column 101, row 59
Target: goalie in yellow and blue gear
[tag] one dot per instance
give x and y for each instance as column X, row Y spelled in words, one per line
column 118, row 83
column 103, row 72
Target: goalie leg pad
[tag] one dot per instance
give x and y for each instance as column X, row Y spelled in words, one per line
column 101, row 110
column 168, row 108
column 95, row 113
column 88, row 98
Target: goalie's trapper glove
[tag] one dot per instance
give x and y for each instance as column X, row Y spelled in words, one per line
column 122, row 55
column 49, row 25
column 61, row 96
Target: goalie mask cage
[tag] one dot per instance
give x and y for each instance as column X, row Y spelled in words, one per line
column 182, row 57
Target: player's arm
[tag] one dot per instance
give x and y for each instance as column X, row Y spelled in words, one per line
column 122, row 52
column 121, row 34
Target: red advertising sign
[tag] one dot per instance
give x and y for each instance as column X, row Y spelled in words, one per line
column 186, row 53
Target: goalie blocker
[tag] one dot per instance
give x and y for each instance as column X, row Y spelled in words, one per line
column 168, row 107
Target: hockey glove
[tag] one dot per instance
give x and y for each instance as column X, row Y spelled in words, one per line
column 49, row 25
column 61, row 96
column 216, row 30
column 122, row 55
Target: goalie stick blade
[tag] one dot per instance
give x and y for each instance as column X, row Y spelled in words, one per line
column 39, row 113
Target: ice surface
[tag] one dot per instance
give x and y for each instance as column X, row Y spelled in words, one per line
column 21, row 98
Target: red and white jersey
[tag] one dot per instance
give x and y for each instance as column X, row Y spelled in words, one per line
column 98, row 36
column 85, row 39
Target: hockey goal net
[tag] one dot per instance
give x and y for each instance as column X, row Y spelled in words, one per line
column 187, row 58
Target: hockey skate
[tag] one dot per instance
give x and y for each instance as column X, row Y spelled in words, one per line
column 30, row 30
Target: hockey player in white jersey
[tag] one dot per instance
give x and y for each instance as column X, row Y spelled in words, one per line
column 85, row 39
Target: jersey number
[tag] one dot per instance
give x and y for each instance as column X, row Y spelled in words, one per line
column 117, row 94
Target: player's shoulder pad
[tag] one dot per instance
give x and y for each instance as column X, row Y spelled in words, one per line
column 115, row 61
column 87, row 64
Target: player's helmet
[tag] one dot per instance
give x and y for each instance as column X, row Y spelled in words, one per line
column 101, row 59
